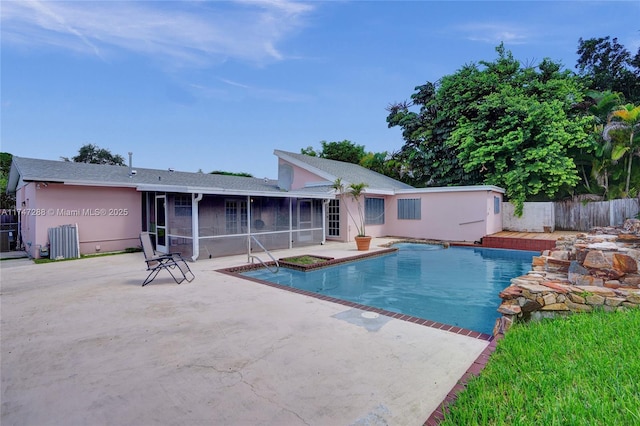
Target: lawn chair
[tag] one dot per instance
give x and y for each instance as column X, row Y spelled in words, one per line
column 172, row 262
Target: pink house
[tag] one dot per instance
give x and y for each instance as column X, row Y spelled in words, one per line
column 203, row 215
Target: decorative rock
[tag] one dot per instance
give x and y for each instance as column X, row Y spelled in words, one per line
column 614, row 301
column 510, row 292
column 634, row 253
column 577, row 307
column 624, row 263
column 560, row 254
column 549, row 299
column 502, row 325
column 606, row 274
column 596, row 260
column 628, row 238
column 612, row 284
column 530, row 306
column 533, row 288
column 575, row 269
column 583, row 273
column 540, row 315
column 556, row 265
column 632, row 225
column 559, row 288
column 509, row 309
column 587, row 280
column 634, row 298
column 595, row 300
column 631, row 280
column 538, row 261
column 602, row 291
column 575, row 298
column 556, row 307
column 599, row 239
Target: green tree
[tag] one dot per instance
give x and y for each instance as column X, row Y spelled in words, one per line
column 602, row 165
column 93, row 154
column 608, row 65
column 624, row 130
column 425, row 159
column 515, row 125
column 220, row 172
column 355, row 191
column 7, row 201
column 345, row 150
column 380, row 162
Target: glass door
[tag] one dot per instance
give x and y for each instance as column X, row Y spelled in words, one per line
column 161, row 223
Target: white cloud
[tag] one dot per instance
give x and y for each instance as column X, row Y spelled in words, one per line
column 494, row 33
column 183, row 33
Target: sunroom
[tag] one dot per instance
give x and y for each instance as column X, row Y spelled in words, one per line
column 202, row 226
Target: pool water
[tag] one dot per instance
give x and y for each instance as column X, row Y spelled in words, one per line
column 456, row 285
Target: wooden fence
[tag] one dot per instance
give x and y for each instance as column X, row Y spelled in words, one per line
column 579, row 216
column 569, row 215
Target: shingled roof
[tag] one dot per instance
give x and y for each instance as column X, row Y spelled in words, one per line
column 36, row 170
column 347, row 172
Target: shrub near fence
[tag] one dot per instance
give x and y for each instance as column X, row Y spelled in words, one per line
column 569, row 215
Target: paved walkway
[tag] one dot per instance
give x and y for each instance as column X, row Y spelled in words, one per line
column 82, row 343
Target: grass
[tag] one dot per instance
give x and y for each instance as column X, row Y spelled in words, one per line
column 304, row 260
column 580, row 370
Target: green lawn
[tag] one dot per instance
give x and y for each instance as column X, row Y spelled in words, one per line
column 579, row 370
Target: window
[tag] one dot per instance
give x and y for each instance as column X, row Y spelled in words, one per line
column 374, row 211
column 235, row 216
column 333, row 222
column 496, row 205
column 409, row 209
column 182, row 205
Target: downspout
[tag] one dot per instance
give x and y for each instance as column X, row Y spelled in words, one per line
column 195, row 231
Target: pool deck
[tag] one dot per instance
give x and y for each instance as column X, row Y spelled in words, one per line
column 83, row 343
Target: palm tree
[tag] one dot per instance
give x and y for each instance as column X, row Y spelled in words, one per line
column 600, row 166
column 355, row 190
column 622, row 129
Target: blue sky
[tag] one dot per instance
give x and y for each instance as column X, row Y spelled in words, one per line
column 217, row 85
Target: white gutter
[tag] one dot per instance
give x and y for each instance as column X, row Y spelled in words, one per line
column 195, row 232
column 468, row 188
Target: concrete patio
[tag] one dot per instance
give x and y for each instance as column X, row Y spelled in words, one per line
column 82, row 343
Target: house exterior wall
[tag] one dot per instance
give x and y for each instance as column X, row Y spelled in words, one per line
column 452, row 216
column 109, row 219
column 301, row 177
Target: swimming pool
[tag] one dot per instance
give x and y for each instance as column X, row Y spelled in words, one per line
column 456, row 285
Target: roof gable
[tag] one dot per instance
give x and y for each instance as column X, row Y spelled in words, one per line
column 347, row 172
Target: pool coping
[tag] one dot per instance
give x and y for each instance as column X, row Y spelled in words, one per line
column 474, row 370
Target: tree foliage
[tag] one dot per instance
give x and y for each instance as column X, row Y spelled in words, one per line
column 497, row 123
column 608, row 65
column 345, row 150
column 7, row 201
column 221, row 172
column 515, row 126
column 425, row 159
column 623, row 129
column 93, row 154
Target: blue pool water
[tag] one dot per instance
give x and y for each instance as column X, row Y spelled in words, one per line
column 456, row 286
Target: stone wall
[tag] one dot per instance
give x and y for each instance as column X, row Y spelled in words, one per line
column 591, row 271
